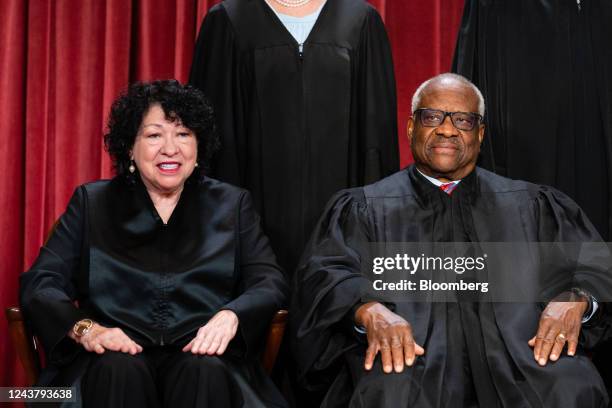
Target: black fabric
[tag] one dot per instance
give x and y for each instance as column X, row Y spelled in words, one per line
column 297, row 127
column 158, row 282
column 545, row 70
column 160, row 377
column 495, row 366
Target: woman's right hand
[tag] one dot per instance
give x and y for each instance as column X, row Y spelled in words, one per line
column 99, row 339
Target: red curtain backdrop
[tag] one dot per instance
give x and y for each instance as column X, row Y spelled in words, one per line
column 62, row 62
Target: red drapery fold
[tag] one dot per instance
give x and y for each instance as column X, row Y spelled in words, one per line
column 62, row 63
column 12, row 148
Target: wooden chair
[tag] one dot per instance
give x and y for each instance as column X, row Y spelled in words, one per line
column 27, row 346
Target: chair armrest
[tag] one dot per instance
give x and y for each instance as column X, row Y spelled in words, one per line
column 274, row 339
column 24, row 344
column 28, row 355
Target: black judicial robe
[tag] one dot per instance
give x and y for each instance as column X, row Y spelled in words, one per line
column 405, row 207
column 112, row 253
column 297, row 127
column 545, row 66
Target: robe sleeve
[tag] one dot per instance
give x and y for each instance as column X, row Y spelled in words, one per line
column 562, row 220
column 214, row 71
column 377, row 124
column 263, row 288
column 48, row 289
column 326, row 287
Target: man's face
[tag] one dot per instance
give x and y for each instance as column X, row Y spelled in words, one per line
column 443, row 151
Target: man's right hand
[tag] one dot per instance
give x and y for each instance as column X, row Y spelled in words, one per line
column 390, row 334
column 100, row 338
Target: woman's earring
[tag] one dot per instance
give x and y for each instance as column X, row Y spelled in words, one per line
column 196, row 165
column 132, row 168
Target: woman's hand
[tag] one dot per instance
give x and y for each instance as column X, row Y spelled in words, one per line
column 214, row 336
column 99, row 339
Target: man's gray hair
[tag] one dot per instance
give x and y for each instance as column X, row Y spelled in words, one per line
column 448, row 76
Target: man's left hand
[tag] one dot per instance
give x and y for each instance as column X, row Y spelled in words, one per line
column 560, row 323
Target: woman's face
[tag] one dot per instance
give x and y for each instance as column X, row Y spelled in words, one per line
column 164, row 152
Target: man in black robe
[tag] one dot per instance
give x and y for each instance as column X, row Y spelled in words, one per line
column 298, row 122
column 445, row 354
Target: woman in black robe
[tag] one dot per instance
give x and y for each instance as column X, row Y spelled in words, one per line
column 156, row 287
column 298, row 122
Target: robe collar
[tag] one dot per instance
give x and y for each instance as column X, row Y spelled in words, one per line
column 426, row 190
column 141, row 201
column 269, row 29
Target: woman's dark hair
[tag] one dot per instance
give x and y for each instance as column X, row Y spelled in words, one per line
column 179, row 102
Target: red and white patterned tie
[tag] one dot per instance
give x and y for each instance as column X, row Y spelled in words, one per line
column 448, row 188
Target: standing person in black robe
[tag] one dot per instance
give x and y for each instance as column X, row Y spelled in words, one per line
column 298, row 122
column 452, row 354
column 549, row 64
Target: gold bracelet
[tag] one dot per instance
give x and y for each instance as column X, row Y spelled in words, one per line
column 82, row 327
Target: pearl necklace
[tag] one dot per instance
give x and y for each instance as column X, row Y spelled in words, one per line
column 292, row 3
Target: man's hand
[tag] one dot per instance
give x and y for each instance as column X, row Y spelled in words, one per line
column 214, row 336
column 390, row 334
column 560, row 323
column 99, row 339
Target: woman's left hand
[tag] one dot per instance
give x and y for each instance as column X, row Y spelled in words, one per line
column 214, row 336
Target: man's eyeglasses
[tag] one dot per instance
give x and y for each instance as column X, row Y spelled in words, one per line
column 461, row 120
